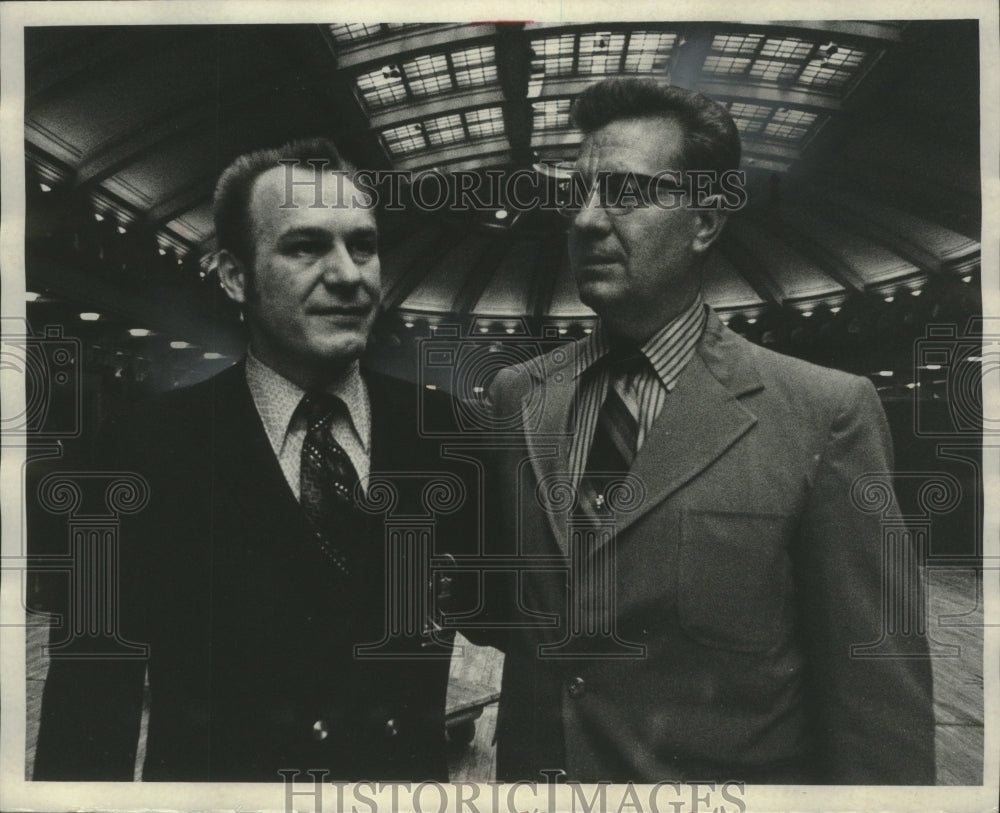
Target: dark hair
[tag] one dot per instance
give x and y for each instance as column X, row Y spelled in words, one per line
column 231, row 205
column 711, row 140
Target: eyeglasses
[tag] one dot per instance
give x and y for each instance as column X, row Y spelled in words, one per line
column 620, row 193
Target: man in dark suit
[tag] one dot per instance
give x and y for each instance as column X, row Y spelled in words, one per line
column 259, row 565
column 722, row 617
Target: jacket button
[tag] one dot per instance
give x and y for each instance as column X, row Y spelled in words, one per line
column 391, row 729
column 577, row 687
column 320, row 730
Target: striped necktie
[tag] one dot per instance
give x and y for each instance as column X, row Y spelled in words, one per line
column 327, row 480
column 616, row 434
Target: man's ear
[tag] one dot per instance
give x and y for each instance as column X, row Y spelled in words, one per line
column 710, row 222
column 232, row 276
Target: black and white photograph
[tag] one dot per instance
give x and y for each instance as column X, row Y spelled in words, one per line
column 587, row 409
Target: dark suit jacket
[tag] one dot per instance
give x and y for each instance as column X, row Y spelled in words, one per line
column 250, row 628
column 747, row 572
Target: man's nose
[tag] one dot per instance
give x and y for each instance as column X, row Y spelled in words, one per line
column 592, row 214
column 339, row 267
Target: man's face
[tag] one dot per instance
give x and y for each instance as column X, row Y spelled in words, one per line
column 638, row 269
column 313, row 292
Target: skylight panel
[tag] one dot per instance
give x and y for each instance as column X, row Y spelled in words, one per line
column 788, row 124
column 555, row 54
column 405, row 139
column 786, row 48
column 600, row 53
column 484, row 123
column 648, row 50
column 773, row 70
column 551, row 114
column 351, row 32
column 382, row 87
column 444, row 130
column 428, row 74
column 726, row 65
column 749, row 118
column 736, row 44
column 474, row 67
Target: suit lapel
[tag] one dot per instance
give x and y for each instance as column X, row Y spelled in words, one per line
column 549, row 443
column 701, row 418
column 252, row 475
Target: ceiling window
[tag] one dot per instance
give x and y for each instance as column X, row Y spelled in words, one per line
column 600, row 53
column 357, row 32
column 551, row 114
column 749, row 118
column 648, row 51
column 789, row 124
column 428, row 75
column 440, row 131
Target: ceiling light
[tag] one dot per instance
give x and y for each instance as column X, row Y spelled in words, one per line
column 477, row 390
column 916, row 292
column 408, row 324
column 484, row 330
column 931, row 367
column 211, row 355
column 180, row 345
column 752, row 320
column 121, row 230
column 162, row 251
column 588, row 330
column 835, row 309
column 139, row 332
column 562, row 331
column 889, row 298
column 90, row 316
column 807, row 314
column 45, row 187
column 500, row 214
column 431, row 386
column 509, row 331
column 98, row 217
column 967, row 278
column 30, row 296
column 886, row 373
column 912, row 385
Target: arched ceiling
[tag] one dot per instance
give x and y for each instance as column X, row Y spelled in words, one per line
column 860, row 145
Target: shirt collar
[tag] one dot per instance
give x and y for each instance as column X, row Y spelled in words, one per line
column 277, row 398
column 667, row 350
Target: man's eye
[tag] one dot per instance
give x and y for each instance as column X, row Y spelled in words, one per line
column 303, row 248
column 363, row 249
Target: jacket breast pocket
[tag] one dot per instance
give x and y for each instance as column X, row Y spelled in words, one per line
column 735, row 581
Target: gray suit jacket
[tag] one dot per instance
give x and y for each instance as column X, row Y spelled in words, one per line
column 747, row 587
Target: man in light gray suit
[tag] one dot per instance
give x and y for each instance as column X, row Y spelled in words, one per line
column 723, row 613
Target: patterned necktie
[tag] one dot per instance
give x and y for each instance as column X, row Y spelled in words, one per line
column 616, row 434
column 327, row 479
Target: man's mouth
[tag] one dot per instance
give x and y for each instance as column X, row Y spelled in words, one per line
column 341, row 310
